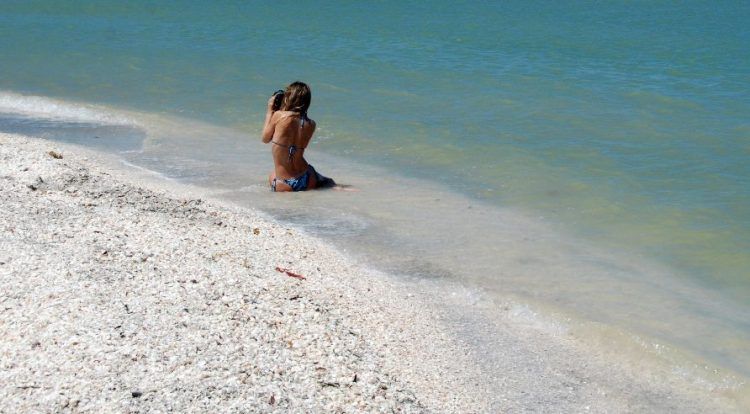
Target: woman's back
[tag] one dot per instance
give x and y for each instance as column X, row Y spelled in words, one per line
column 292, row 133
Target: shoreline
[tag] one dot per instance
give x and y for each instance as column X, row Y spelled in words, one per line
column 505, row 252
column 144, row 267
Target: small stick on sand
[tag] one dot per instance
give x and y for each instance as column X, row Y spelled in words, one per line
column 290, row 273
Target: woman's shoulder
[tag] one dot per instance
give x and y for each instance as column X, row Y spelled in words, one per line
column 288, row 116
column 286, row 113
column 283, row 114
column 282, row 117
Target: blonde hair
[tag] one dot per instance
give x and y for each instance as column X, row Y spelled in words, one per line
column 297, row 98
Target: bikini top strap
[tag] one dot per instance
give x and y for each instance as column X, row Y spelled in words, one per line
column 292, row 149
column 286, row 146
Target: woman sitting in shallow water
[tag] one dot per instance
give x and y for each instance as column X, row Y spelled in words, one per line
column 289, row 130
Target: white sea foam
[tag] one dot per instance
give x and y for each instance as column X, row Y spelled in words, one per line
column 53, row 109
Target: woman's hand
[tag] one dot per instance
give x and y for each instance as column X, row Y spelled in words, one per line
column 270, row 103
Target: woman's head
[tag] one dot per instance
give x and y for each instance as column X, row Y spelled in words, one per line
column 297, row 98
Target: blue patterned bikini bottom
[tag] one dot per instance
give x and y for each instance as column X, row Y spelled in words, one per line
column 300, row 183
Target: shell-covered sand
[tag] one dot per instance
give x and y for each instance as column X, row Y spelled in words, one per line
column 119, row 295
column 120, row 298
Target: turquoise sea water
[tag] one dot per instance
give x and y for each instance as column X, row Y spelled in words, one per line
column 623, row 125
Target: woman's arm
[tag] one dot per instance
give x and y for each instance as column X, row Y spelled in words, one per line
column 269, row 126
column 313, row 126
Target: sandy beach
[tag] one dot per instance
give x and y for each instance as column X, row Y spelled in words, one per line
column 123, row 292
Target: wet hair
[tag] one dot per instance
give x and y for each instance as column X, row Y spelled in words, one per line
column 297, row 98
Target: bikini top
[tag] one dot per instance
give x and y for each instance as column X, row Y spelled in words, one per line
column 293, row 148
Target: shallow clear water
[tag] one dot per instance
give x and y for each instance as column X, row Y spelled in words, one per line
column 603, row 148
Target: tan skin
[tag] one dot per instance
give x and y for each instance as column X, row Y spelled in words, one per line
column 284, row 127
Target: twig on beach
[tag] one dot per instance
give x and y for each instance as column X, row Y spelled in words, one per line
column 290, row 273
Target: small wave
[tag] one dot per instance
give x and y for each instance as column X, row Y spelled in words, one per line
column 54, row 109
column 147, row 170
